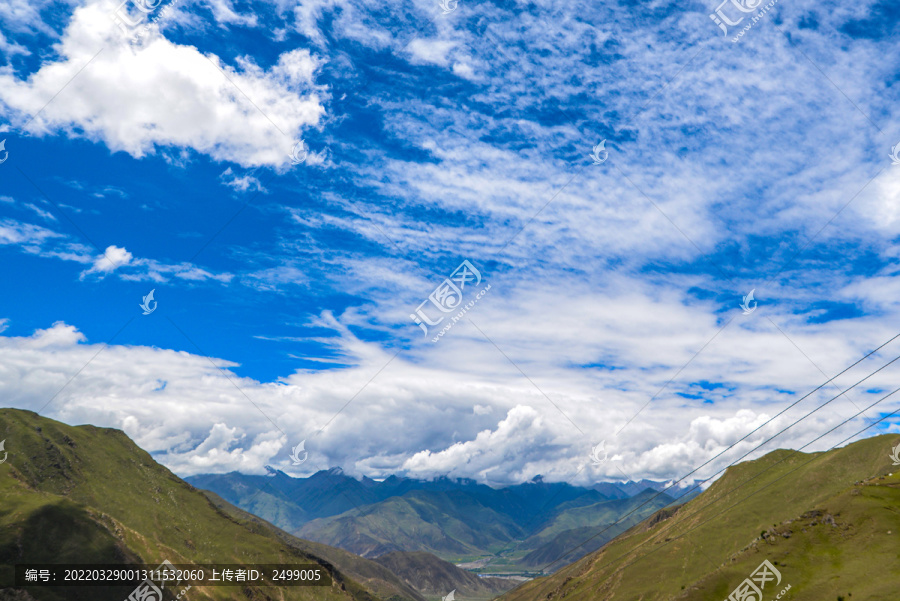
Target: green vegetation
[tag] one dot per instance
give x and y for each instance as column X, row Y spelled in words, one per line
column 837, row 516
column 509, row 530
column 458, row 526
column 829, row 522
column 586, row 528
column 90, row 495
column 375, row 577
column 444, row 524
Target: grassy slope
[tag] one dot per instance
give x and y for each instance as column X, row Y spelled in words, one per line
column 693, row 560
column 418, row 521
column 563, row 532
column 270, row 504
column 88, row 494
column 605, row 512
column 454, row 525
column 372, row 575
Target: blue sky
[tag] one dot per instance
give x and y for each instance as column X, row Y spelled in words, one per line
column 285, row 291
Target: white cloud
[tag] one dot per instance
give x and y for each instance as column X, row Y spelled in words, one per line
column 60, row 335
column 519, row 441
column 111, row 259
column 155, row 271
column 25, row 234
column 351, row 20
column 436, row 52
column 25, row 16
column 10, row 48
column 40, row 212
column 600, row 300
column 464, row 70
column 423, row 404
column 224, row 12
column 161, row 95
column 244, row 183
column 40, row 241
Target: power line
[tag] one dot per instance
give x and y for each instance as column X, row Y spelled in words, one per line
column 744, row 438
column 665, row 543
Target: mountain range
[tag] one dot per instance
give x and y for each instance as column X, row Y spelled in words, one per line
column 817, row 526
column 504, row 530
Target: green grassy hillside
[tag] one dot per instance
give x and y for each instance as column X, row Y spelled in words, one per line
column 254, row 496
column 829, row 522
column 571, row 526
column 455, row 525
column 446, row 524
column 374, row 576
column 90, row 495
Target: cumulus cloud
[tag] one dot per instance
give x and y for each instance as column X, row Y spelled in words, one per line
column 60, row 335
column 518, row 443
column 111, row 259
column 207, row 418
column 158, row 95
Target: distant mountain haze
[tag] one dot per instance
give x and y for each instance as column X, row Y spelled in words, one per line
column 827, row 522
column 458, row 520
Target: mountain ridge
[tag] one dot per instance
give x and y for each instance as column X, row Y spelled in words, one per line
column 84, row 494
column 455, row 519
